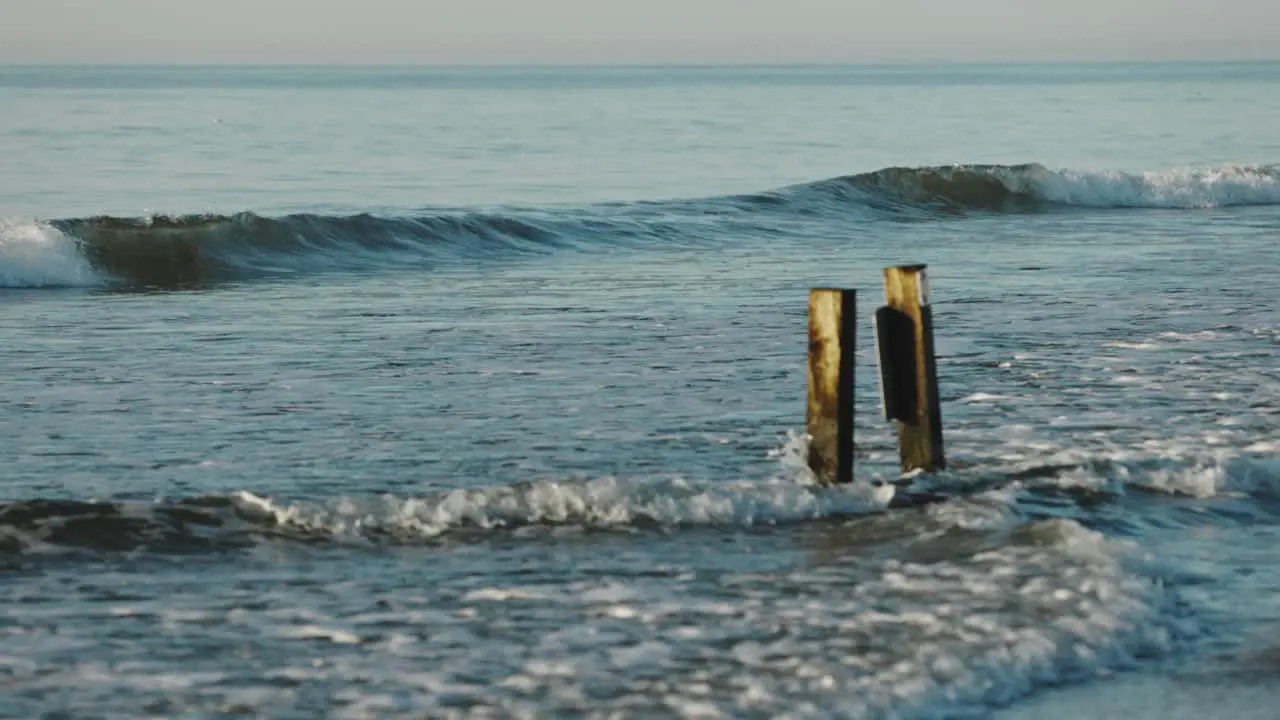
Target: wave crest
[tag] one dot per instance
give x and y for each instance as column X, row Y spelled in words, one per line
column 1033, row 187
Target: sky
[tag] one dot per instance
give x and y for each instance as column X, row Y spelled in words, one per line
column 632, row 31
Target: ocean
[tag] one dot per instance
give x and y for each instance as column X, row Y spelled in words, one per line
column 479, row 392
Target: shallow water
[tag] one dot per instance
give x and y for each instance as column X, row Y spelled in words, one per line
column 478, row 392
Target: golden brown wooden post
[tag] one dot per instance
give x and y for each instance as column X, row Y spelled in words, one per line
column 832, row 319
column 906, row 292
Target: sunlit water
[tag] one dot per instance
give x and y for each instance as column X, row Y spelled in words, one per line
column 378, row 393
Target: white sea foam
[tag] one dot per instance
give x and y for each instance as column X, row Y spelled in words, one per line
column 495, row 594
column 313, row 632
column 911, row 639
column 894, row 639
column 1097, row 615
column 1169, row 467
column 981, row 397
column 1181, row 188
column 35, row 254
column 604, row 502
column 1205, row 475
column 1127, row 345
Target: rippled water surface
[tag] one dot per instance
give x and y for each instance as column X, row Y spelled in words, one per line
column 479, row 393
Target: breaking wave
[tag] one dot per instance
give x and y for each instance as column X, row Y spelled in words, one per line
column 36, row 254
column 167, row 251
column 972, row 501
column 1201, row 476
column 1033, row 187
column 243, row 519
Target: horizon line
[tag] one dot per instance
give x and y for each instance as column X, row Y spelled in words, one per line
column 560, row 65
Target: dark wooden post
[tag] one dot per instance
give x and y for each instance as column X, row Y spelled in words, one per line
column 832, row 320
column 908, row 370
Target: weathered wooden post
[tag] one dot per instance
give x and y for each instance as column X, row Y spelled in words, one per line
column 908, row 370
column 832, row 321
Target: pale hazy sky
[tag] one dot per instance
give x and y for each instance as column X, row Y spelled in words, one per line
column 631, row 31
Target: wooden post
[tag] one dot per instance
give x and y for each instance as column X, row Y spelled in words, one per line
column 832, row 320
column 907, row 324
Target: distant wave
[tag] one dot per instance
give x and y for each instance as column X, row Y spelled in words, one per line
column 1033, row 187
column 174, row 251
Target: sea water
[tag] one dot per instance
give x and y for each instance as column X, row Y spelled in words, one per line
column 478, row 392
